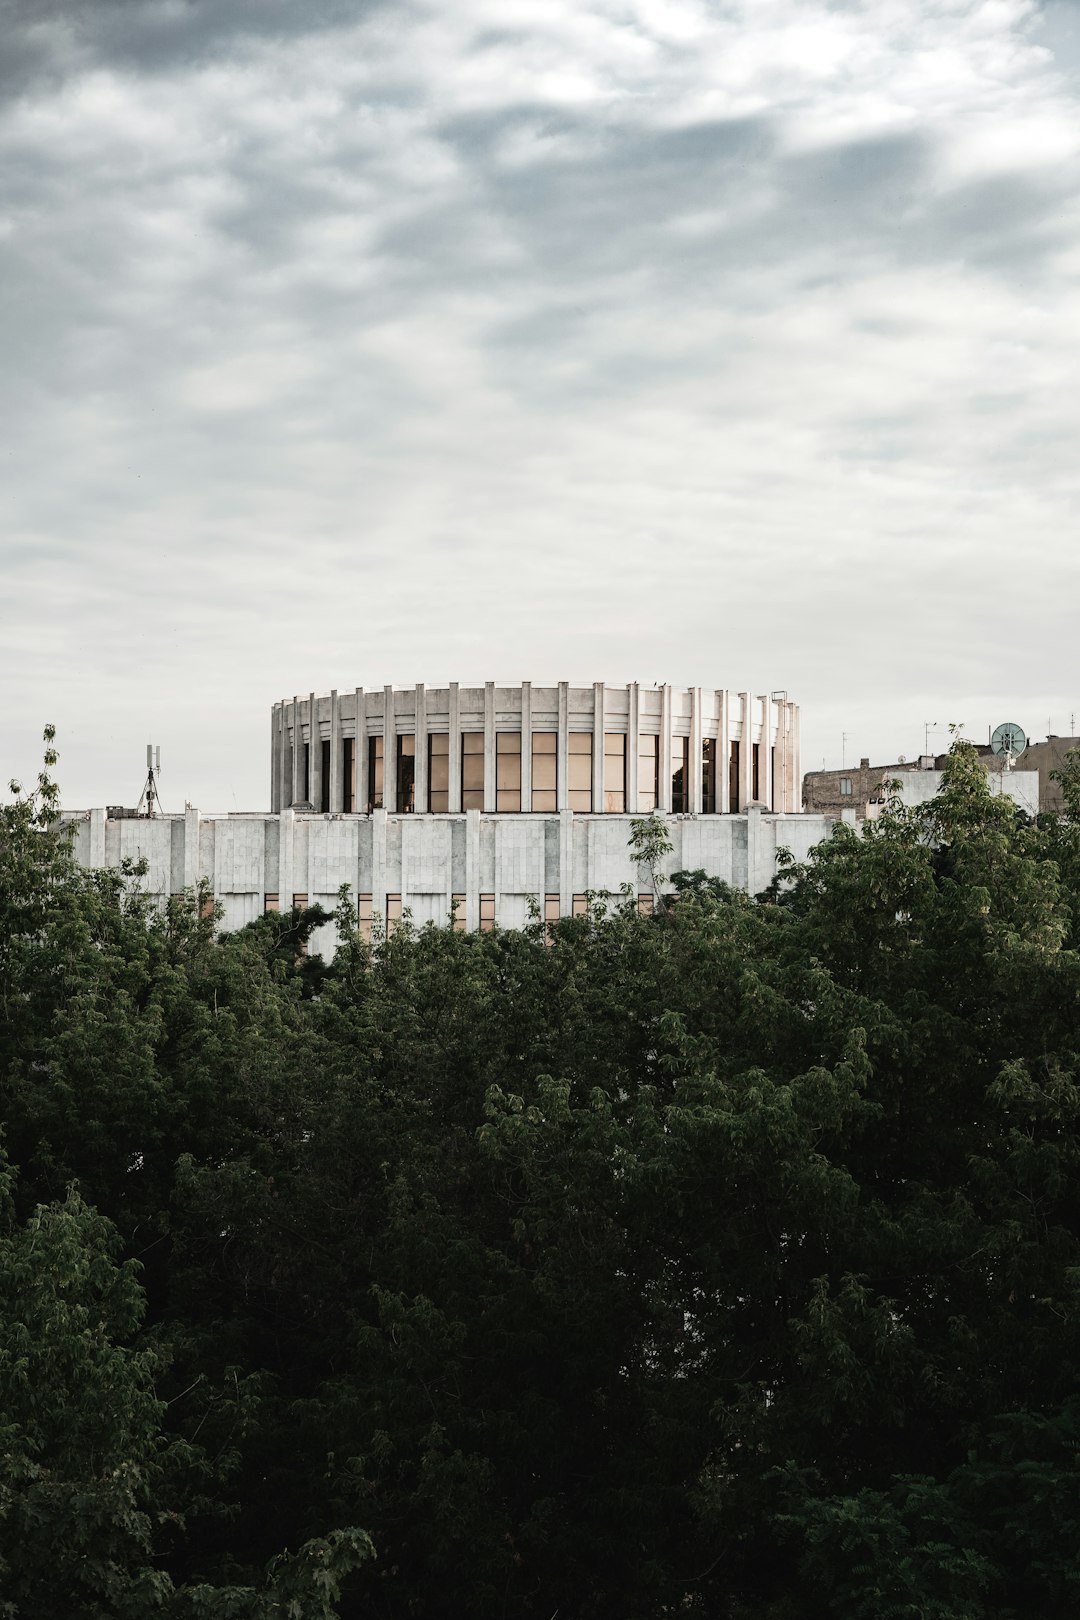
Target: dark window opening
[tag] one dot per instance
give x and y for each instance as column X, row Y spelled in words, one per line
column 305, row 797
column 734, row 798
column 348, row 773
column 375, row 773
column 406, row 774
column 708, row 776
column 755, row 771
column 324, row 777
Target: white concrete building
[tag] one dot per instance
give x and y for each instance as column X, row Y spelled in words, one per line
column 521, row 749
column 491, row 803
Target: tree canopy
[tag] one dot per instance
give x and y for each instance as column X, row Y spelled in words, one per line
column 722, row 1262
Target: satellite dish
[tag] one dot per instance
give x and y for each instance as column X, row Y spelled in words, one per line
column 1008, row 738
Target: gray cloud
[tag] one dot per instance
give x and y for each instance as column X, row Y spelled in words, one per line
column 709, row 342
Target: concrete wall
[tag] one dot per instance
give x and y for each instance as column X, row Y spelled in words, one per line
column 824, row 792
column 497, row 864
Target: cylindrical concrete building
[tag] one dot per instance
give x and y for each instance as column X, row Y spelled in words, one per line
column 596, row 750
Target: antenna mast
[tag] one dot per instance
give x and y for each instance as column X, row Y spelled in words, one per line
column 150, row 802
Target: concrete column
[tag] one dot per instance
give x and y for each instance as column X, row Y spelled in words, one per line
column 566, row 862
column 562, row 747
column 794, row 758
column 389, row 751
column 598, row 746
column 314, row 792
column 665, row 750
column 454, row 722
column 191, row 845
column 766, row 749
column 421, row 763
column 336, row 797
column 526, row 751
column 378, row 862
column 723, row 755
column 407, row 828
column 633, row 739
column 696, row 732
column 275, row 758
column 297, row 754
column 97, row 838
column 755, row 879
column 746, row 752
column 360, row 751
column 472, row 870
column 286, row 824
column 489, row 745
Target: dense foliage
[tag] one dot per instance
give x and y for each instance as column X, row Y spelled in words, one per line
column 724, row 1262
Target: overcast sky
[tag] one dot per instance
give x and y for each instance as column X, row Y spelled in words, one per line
column 725, row 342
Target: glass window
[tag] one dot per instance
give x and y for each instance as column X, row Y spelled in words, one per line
column 646, row 904
column 845, row 785
column 680, row 774
column 648, row 773
column 733, row 777
column 580, row 905
column 508, row 770
column 393, row 913
column 708, row 776
column 324, row 776
column 364, row 916
column 487, row 913
column 348, row 773
column 544, row 769
column 307, row 774
column 579, row 784
column 438, row 753
column 270, row 902
column 755, row 771
column 614, row 773
column 459, row 913
column 406, row 774
column 374, row 773
column 472, row 770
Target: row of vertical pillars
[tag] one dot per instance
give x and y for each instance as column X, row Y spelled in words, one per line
column 542, row 769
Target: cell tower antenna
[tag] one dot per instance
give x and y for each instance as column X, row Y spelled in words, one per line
column 150, row 801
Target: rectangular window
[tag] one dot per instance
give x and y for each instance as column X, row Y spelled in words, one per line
column 646, row 904
column 579, row 784
column 364, row 916
column 324, row 777
column 734, row 774
column 508, row 770
column 299, row 901
column 374, row 773
column 270, row 902
column 551, row 908
column 544, row 769
column 708, row 776
column 580, row 905
column 614, row 773
column 459, row 913
column 406, row 775
column 648, row 774
column 680, row 775
column 393, row 913
column 348, row 773
column 755, row 771
column 487, row 913
column 307, row 774
column 438, row 757
column 845, row 785
column 472, row 770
